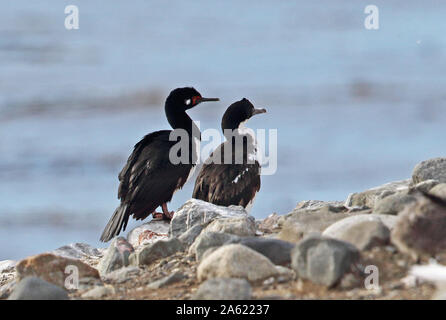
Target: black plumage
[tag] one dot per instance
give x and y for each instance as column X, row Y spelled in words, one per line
column 236, row 182
column 149, row 179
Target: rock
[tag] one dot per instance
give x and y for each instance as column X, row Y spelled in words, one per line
column 33, row 288
column 207, row 252
column 190, row 235
column 98, row 292
column 7, row 288
column 116, row 256
column 420, row 228
column 367, row 198
column 236, row 261
column 430, row 169
column 157, row 250
column 439, row 191
column 393, row 204
column 195, row 212
column 334, row 206
column 426, row 186
column 285, row 274
column 278, row 251
column 149, row 232
column 240, row 226
column 175, row 277
column 208, row 240
column 388, row 220
column 302, row 222
column 78, row 251
column 7, row 266
column 323, row 260
column 269, row 224
column 122, row 275
column 54, row 269
column 224, row 289
column 364, row 231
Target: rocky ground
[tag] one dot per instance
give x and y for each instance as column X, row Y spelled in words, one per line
column 388, row 242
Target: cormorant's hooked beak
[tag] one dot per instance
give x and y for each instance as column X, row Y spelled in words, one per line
column 258, row 111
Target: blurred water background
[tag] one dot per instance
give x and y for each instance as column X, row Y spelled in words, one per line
column 354, row 108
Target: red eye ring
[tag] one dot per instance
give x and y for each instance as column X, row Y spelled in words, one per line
column 195, row 100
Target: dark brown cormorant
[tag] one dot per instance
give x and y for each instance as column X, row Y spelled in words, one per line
column 149, row 179
column 236, row 182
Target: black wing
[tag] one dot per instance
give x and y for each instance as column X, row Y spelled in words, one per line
column 228, row 184
column 148, row 180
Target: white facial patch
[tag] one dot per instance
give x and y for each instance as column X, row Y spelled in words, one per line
column 187, row 102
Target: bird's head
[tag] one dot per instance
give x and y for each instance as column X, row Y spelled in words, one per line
column 186, row 98
column 238, row 113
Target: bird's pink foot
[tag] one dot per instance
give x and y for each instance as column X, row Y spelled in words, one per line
column 168, row 215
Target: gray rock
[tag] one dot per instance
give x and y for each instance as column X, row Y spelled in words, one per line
column 430, row 169
column 208, row 240
column 7, row 288
column 240, row 226
column 116, row 256
column 207, row 252
column 190, row 235
column 364, row 231
column 236, row 261
column 426, row 186
column 334, row 206
column 224, row 289
column 439, row 191
column 269, row 224
column 78, row 251
column 367, row 198
column 98, row 292
column 278, row 251
column 175, row 277
column 7, row 266
column 301, row 222
column 393, row 204
column 149, row 232
column 122, row 275
column 285, row 274
column 195, row 212
column 420, row 229
column 33, row 288
column 323, row 260
column 157, row 250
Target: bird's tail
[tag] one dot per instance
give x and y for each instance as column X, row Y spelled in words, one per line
column 117, row 222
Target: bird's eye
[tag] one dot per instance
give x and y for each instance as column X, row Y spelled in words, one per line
column 187, row 102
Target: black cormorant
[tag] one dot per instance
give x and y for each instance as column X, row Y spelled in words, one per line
column 149, row 179
column 236, row 182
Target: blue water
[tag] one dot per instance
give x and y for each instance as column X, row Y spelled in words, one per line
column 353, row 108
